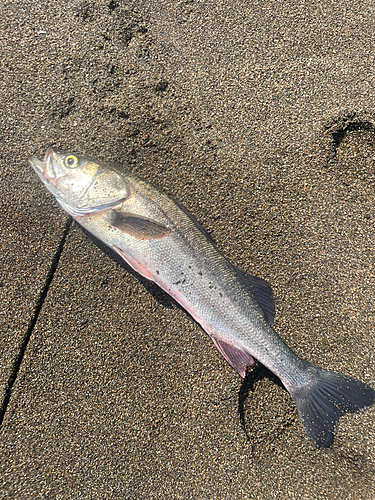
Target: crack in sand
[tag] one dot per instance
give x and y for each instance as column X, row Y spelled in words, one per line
column 43, row 294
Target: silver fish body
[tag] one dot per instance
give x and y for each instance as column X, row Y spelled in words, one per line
column 186, row 264
column 162, row 241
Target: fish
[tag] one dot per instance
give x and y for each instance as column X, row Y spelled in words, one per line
column 160, row 239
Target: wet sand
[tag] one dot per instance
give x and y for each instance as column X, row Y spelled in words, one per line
column 259, row 118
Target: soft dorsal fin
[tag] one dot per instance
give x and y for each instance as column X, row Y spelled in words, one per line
column 262, row 292
column 137, row 226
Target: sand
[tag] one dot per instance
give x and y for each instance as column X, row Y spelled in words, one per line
column 259, row 118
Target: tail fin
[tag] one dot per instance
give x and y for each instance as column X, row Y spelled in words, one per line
column 326, row 397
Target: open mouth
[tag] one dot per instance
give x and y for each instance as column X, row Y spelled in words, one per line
column 49, row 173
column 37, row 165
column 48, row 170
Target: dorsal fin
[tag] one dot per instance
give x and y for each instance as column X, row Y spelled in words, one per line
column 262, row 292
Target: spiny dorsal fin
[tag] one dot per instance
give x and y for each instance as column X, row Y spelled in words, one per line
column 262, row 292
column 137, row 226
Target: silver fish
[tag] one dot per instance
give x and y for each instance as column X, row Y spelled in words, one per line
column 162, row 241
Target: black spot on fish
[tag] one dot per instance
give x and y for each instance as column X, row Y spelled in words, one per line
column 179, row 281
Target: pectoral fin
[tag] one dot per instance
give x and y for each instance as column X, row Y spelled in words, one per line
column 137, row 226
column 236, row 357
column 262, row 292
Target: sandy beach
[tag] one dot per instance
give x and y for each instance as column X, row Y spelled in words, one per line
column 259, row 118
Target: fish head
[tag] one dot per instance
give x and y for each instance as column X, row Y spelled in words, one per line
column 81, row 186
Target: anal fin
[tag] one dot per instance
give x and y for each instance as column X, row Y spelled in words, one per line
column 238, row 358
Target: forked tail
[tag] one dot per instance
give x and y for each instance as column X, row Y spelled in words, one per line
column 326, row 397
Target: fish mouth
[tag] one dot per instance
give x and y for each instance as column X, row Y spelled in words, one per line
column 48, row 170
column 37, row 165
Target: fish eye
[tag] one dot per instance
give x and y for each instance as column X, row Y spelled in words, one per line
column 71, row 161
